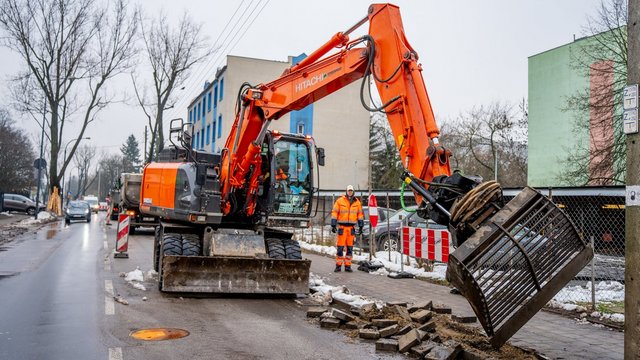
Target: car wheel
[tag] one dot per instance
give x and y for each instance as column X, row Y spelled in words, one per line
column 67, row 221
column 388, row 240
column 275, row 248
column 89, row 219
column 31, row 211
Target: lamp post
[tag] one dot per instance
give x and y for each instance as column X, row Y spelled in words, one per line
column 65, row 159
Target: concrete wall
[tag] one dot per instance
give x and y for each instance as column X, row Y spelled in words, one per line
column 339, row 122
column 551, row 131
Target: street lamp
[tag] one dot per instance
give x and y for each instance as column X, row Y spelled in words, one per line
column 64, row 196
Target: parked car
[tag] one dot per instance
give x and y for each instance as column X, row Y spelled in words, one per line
column 103, row 206
column 15, row 202
column 390, row 235
column 77, row 210
column 93, row 203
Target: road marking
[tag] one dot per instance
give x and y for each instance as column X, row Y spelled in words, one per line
column 107, row 264
column 105, row 244
column 108, row 287
column 109, row 306
column 115, row 353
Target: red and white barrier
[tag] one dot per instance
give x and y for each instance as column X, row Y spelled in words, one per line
column 122, row 238
column 428, row 244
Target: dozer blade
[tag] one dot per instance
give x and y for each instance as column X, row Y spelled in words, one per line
column 516, row 262
column 234, row 275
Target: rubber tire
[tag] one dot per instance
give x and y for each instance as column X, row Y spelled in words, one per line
column 132, row 230
column 31, row 211
column 275, row 248
column 89, row 219
column 156, row 249
column 191, row 245
column 171, row 244
column 67, row 221
column 292, row 249
column 383, row 240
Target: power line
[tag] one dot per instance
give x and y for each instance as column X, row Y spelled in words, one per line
column 222, row 54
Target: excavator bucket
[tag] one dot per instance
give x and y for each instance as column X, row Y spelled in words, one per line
column 234, row 275
column 516, row 262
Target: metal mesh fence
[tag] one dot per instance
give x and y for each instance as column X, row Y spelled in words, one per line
column 597, row 213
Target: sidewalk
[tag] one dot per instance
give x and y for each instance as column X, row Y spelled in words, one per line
column 550, row 334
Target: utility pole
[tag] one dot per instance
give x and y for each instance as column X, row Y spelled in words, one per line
column 44, row 117
column 632, row 210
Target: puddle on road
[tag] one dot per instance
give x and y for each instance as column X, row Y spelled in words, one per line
column 157, row 334
column 51, row 233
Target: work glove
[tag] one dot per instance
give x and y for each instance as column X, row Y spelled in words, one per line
column 334, row 229
column 334, row 226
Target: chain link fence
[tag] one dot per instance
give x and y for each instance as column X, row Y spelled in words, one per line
column 597, row 213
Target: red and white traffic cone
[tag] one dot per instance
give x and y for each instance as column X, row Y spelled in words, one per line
column 122, row 237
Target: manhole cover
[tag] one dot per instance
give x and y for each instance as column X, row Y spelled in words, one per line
column 158, row 334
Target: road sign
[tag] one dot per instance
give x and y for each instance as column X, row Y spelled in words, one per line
column 630, row 97
column 630, row 121
column 40, row 163
column 373, row 210
column 122, row 237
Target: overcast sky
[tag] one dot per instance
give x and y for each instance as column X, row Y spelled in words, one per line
column 472, row 52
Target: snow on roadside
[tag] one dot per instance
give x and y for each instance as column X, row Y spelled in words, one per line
column 43, row 217
column 325, row 293
column 606, row 292
column 390, row 266
column 135, row 279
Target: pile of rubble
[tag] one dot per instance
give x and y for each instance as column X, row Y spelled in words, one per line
column 422, row 330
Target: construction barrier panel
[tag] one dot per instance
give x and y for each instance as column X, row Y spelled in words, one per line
column 430, row 244
column 122, row 237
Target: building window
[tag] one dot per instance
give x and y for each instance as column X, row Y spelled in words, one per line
column 198, row 113
column 300, row 128
column 202, row 137
column 221, row 88
column 204, row 105
column 208, row 132
column 215, row 96
column 209, row 102
column 213, row 134
column 190, row 113
column 219, row 126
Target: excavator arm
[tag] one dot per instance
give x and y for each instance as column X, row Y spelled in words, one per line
column 510, row 259
column 384, row 54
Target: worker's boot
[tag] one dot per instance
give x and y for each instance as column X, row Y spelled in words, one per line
column 348, row 269
column 338, row 268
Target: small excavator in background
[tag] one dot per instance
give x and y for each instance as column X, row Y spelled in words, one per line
column 217, row 210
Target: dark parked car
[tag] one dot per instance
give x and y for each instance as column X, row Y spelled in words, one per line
column 77, row 210
column 15, row 202
column 390, row 235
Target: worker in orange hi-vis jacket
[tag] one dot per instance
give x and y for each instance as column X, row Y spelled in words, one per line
column 346, row 214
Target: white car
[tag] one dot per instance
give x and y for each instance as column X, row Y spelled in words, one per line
column 93, row 203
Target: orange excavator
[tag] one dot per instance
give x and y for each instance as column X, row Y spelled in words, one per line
column 217, row 211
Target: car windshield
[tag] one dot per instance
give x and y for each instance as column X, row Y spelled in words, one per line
column 402, row 214
column 92, row 201
column 77, row 206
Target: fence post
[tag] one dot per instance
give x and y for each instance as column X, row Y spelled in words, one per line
column 593, row 278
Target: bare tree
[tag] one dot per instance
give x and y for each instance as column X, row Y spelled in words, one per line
column 489, row 135
column 16, row 157
column 383, row 154
column 171, row 53
column 602, row 57
column 71, row 49
column 83, row 161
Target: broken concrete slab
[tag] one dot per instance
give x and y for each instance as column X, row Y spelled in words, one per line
column 470, row 355
column 370, row 334
column 352, row 325
column 389, row 330
column 314, row 312
column 382, row 323
column 422, row 349
column 387, row 345
column 422, row 305
column 341, row 315
column 441, row 309
column 368, row 307
column 405, row 329
column 441, row 352
column 397, row 303
column 402, row 312
column 408, row 340
column 423, row 335
column 428, row 327
column 422, row 316
column 464, row 319
column 330, row 323
column 356, row 311
column 342, row 305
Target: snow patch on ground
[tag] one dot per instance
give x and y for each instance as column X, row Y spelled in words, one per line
column 606, row 291
column 43, row 217
column 135, row 278
column 8, row 214
column 326, row 293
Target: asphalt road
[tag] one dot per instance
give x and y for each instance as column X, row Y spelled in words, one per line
column 56, row 302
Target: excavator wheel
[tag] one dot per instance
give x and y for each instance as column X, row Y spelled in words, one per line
column 292, row 249
column 191, row 245
column 275, row 248
column 171, row 244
